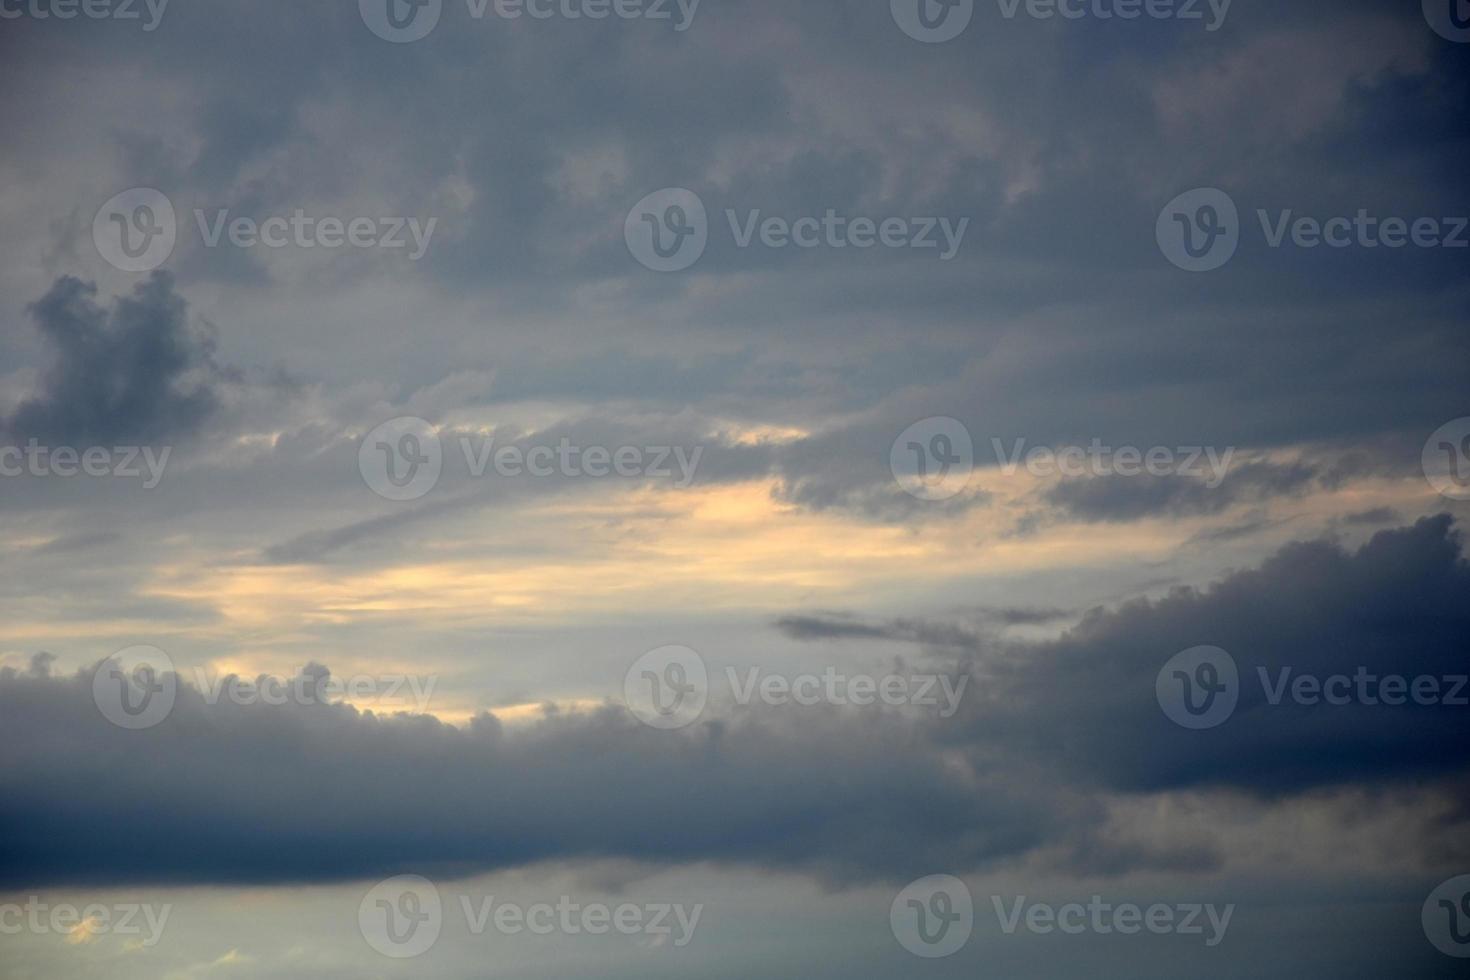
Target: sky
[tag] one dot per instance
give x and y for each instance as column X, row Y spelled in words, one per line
column 548, row 488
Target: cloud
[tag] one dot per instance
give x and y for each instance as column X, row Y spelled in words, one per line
column 260, row 793
column 257, row 794
column 1131, row 498
column 134, row 371
column 1085, row 703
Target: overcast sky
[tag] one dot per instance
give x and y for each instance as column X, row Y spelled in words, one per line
column 736, row 458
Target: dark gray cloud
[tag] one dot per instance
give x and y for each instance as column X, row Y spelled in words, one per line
column 133, row 371
column 1086, row 702
column 1129, row 498
column 239, row 794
